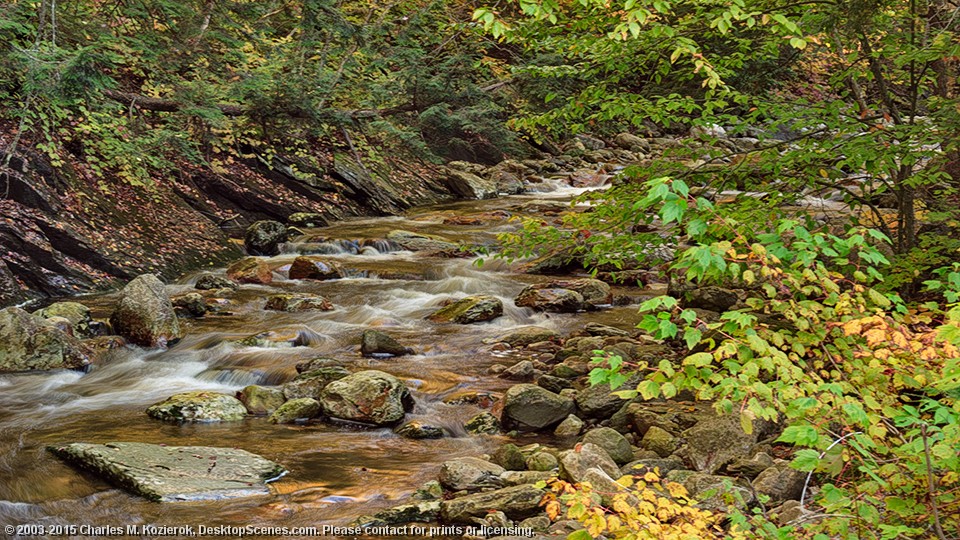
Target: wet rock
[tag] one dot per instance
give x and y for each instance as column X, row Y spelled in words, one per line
column 261, row 400
column 311, row 383
column 296, row 409
column 711, row 298
column 377, row 343
column 483, row 424
column 213, row 281
column 472, row 309
column 780, row 482
column 521, row 371
column 307, row 219
column 553, row 384
column 265, row 237
column 297, row 303
column 250, row 270
column 551, row 300
column 529, row 407
column 78, row 315
column 597, row 329
column 28, row 342
column 716, row 441
column 275, row 339
column 541, row 461
column 575, row 463
column 525, row 335
column 472, row 397
column 412, row 241
column 509, row 457
column 467, row 185
column 723, row 491
column 307, row 268
column 517, row 502
column 100, row 345
column 371, row 397
column 570, row 427
column 631, row 142
column 144, row 315
column 655, row 465
column 615, row 444
column 470, row 474
column 198, row 407
column 189, row 305
column 416, row 429
column 174, row 473
column 659, row 441
column 594, row 292
column 599, row 401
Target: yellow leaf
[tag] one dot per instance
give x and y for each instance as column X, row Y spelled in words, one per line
column 852, row 327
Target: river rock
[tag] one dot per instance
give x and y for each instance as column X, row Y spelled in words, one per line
column 615, row 444
column 467, row 185
column 307, row 219
column 483, row 424
column 422, row 512
column 590, row 143
column 310, row 384
column 631, row 142
column 527, row 406
column 509, row 457
column 307, row 268
column 699, row 485
column 261, row 400
column 655, row 465
column 525, row 335
column 198, row 407
column 660, row 441
column 78, row 315
column 575, row 463
column 599, row 401
column 296, row 409
column 517, row 502
column 174, row 473
column 189, row 305
column 607, row 487
column 552, row 300
column 521, row 371
column 593, row 291
column 750, row 468
column 570, row 427
column 209, row 281
column 472, row 309
column 470, row 474
column 553, row 384
column 716, row 441
column 597, row 329
column 541, row 461
column 780, row 482
column 377, row 343
column 711, row 298
column 250, row 270
column 297, row 303
column 412, row 241
column 276, row 339
column 371, row 397
column 144, row 315
column 415, row 429
column 265, row 237
column 317, row 363
column 27, row 342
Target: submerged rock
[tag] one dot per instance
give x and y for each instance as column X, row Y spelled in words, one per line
column 174, row 473
column 250, row 270
column 198, row 407
column 371, row 397
column 376, row 343
column 144, row 314
column 27, row 342
column 472, row 309
column 265, row 237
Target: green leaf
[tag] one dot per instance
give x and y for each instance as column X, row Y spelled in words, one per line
column 805, row 460
column 649, row 389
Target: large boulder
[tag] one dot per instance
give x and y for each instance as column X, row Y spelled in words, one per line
column 530, row 407
column 307, row 268
column 265, row 237
column 517, row 502
column 467, row 185
column 144, row 314
column 377, row 343
column 78, row 315
column 472, row 309
column 27, row 342
column 174, row 473
column 470, row 474
column 553, row 300
column 371, row 397
column 250, row 270
column 199, row 407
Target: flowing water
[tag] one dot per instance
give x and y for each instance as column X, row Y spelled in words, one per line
column 336, row 472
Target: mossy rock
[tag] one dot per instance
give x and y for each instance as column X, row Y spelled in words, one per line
column 199, row 407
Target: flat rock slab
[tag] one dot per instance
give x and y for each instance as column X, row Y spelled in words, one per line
column 174, row 473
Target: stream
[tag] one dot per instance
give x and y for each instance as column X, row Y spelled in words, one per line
column 336, row 472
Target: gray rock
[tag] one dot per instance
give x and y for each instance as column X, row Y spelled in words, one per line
column 750, row 468
column 599, row 401
column 715, row 493
column 597, row 329
column 174, row 473
column 483, row 423
column 371, row 397
column 422, row 512
column 517, row 478
column 27, row 343
column 552, row 300
column 608, row 488
column 311, row 383
column 521, row 371
column 377, row 343
column 467, row 185
column 296, row 409
column 591, row 143
column 553, row 384
column 615, row 444
column 594, row 292
column 265, row 237
column 470, row 474
column 656, row 465
column 198, row 407
column 472, row 309
column 307, row 219
column 144, row 315
column 542, row 461
column 292, row 303
column 529, row 407
column 716, row 441
column 780, row 482
column 631, row 142
column 416, row 429
column 571, row 426
column 712, row 298
column 213, row 281
column 261, row 400
column 509, row 457
column 429, row 491
column 659, row 441
column 517, row 502
column 78, row 315
column 412, row 241
column 575, row 463
column 525, row 335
